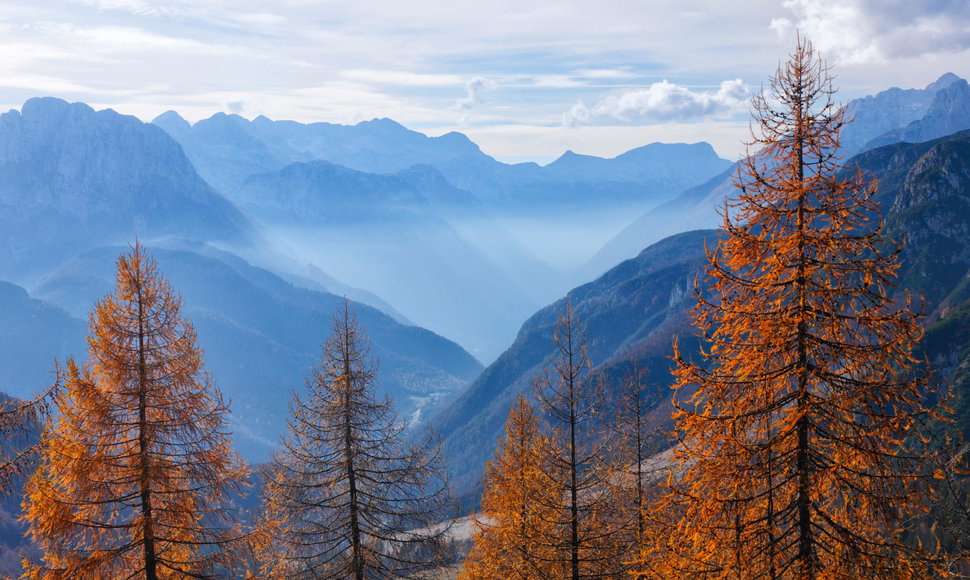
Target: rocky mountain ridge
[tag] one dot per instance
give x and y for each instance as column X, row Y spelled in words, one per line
column 75, row 178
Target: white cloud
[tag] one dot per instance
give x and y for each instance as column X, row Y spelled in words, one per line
column 605, row 74
column 402, row 78
column 40, row 84
column 877, row 31
column 472, row 93
column 662, row 102
column 137, row 7
column 416, row 61
column 102, row 41
column 259, row 19
column 563, row 81
column 237, row 106
column 782, row 26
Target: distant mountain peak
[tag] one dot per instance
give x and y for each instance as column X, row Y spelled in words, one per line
column 948, row 112
column 700, row 148
column 383, row 123
column 75, row 177
column 456, row 137
column 943, row 82
column 52, row 107
column 170, row 116
column 226, row 118
column 656, row 161
column 881, row 119
column 171, row 121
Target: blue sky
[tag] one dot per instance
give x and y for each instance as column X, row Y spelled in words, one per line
column 524, row 79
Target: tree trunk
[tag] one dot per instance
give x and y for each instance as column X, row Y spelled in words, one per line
column 148, row 532
column 357, row 561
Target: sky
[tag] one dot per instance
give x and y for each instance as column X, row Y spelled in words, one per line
column 525, row 79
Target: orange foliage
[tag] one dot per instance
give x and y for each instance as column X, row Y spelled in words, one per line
column 513, row 540
column 136, row 468
column 802, row 443
column 18, row 449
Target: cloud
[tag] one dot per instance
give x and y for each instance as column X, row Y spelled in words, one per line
column 237, row 106
column 662, row 102
column 402, row 78
column 605, row 74
column 473, row 88
column 878, row 31
column 151, row 9
column 104, row 41
column 41, row 84
column 782, row 26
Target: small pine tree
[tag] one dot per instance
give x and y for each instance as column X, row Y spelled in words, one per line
column 512, row 538
column 136, row 470
column 348, row 495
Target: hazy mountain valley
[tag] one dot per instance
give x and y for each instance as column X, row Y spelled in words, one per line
column 455, row 263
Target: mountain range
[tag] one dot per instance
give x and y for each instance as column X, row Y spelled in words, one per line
column 432, row 239
column 396, row 212
column 79, row 185
column 227, row 149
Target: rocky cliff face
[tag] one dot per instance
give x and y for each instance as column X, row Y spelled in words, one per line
column 930, row 210
column 74, row 178
column 888, row 111
column 924, row 190
column 947, row 113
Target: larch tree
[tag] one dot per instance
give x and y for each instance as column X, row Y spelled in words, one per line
column 20, row 422
column 136, row 472
column 350, row 494
column 513, row 538
column 570, row 399
column 802, row 439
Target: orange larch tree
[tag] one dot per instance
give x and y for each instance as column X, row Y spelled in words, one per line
column 136, row 472
column 802, row 440
column 349, row 494
column 513, row 539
